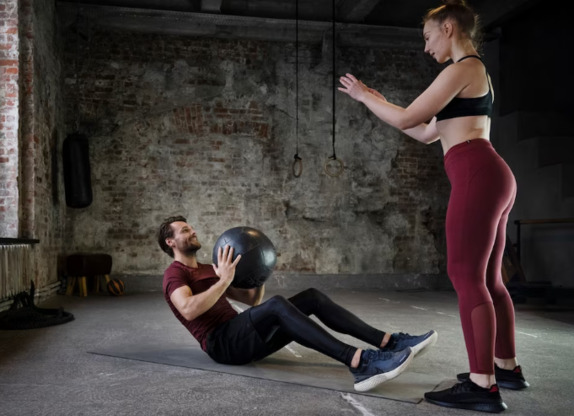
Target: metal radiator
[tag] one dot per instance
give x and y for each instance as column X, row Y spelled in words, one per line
column 15, row 264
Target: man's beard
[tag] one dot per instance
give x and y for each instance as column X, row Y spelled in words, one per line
column 191, row 248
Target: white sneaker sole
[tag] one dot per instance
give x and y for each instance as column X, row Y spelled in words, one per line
column 421, row 348
column 374, row 381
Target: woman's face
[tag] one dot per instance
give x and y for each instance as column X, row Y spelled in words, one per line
column 435, row 36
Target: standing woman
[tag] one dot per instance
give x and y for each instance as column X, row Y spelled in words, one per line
column 483, row 189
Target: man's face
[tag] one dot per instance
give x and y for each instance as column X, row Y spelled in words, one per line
column 184, row 238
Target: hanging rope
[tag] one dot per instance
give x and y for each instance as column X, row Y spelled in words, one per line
column 297, row 162
column 334, row 157
column 333, row 166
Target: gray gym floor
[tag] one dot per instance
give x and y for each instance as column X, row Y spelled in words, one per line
column 49, row 371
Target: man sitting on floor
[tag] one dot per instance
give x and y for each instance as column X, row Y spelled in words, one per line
column 196, row 293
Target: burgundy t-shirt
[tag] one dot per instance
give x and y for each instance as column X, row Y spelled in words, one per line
column 199, row 280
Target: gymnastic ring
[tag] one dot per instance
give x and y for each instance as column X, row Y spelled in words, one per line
column 297, row 167
column 336, row 170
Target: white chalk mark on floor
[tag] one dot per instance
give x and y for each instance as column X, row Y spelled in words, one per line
column 530, row 335
column 446, row 314
column 353, row 402
column 292, row 351
column 418, row 307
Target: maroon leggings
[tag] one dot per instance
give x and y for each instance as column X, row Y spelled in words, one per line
column 483, row 190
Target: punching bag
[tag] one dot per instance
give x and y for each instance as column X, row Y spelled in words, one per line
column 77, row 174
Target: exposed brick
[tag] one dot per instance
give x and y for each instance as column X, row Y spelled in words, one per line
column 218, row 148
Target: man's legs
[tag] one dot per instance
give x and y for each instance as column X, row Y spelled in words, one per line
column 264, row 329
column 278, row 322
column 314, row 302
column 335, row 317
column 268, row 327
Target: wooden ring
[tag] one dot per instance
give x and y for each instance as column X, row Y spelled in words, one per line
column 297, row 167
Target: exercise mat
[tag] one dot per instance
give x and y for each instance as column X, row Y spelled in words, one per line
column 304, row 367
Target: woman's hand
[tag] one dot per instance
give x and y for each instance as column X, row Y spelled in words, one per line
column 354, row 88
column 377, row 94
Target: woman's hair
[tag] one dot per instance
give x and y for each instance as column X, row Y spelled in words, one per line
column 464, row 16
column 165, row 231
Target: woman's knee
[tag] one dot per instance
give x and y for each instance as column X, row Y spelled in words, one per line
column 497, row 290
column 472, row 294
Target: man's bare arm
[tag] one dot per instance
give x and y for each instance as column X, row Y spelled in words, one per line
column 191, row 306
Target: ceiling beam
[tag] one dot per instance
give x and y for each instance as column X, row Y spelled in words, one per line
column 211, row 6
column 240, row 27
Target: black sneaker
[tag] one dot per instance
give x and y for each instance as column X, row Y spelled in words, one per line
column 469, row 396
column 507, row 379
column 418, row 343
column 379, row 366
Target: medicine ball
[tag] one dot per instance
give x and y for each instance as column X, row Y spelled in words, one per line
column 258, row 255
column 116, row 287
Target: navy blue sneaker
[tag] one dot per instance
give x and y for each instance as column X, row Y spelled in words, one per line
column 379, row 366
column 418, row 343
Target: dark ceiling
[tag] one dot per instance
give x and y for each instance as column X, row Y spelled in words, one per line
column 392, row 13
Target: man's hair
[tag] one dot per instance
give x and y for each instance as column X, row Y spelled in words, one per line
column 165, row 231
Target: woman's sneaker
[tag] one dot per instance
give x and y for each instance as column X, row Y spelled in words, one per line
column 378, row 366
column 467, row 395
column 507, row 379
column 418, row 343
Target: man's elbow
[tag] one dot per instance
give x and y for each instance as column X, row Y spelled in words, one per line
column 189, row 313
column 188, row 316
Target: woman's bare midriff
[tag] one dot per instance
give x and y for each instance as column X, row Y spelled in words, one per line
column 454, row 131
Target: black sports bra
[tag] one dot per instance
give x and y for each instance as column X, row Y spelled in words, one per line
column 462, row 107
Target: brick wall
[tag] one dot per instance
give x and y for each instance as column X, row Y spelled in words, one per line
column 9, row 76
column 30, row 131
column 206, row 128
column 42, row 128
